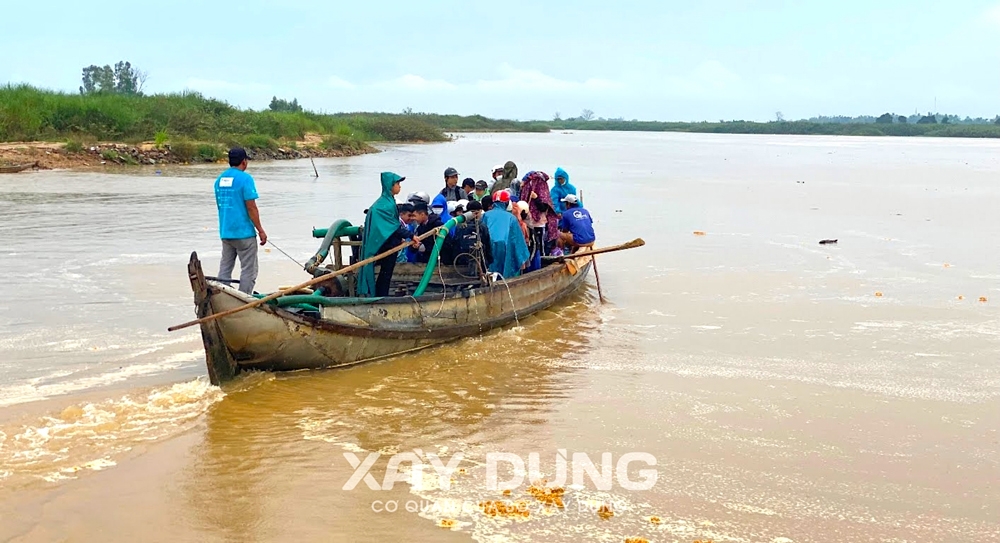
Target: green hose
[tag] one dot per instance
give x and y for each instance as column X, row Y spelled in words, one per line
column 340, row 227
column 441, row 235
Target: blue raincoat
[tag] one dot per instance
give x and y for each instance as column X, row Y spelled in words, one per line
column 510, row 251
column 560, row 191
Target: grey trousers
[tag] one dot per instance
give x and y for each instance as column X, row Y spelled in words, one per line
column 246, row 249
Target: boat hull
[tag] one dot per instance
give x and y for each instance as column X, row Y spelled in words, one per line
column 271, row 338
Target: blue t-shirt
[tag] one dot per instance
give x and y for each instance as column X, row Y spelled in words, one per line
column 577, row 221
column 232, row 189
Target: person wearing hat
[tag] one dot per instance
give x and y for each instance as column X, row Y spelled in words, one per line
column 451, row 191
column 239, row 220
column 382, row 232
column 576, row 228
column 482, row 189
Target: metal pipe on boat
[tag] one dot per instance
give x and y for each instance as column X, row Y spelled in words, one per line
column 441, row 235
column 340, row 227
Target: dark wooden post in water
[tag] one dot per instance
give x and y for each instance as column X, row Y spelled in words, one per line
column 221, row 366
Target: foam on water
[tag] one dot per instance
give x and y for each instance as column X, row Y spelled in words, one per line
column 89, row 436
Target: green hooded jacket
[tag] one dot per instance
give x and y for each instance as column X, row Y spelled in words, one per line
column 381, row 223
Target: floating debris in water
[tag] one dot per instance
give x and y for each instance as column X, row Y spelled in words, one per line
column 878, row 294
column 655, row 520
column 699, row 233
column 960, row 297
column 506, row 492
column 982, row 299
column 827, row 241
column 546, row 495
column 505, row 509
column 605, row 512
column 446, row 523
column 636, row 540
column 947, row 265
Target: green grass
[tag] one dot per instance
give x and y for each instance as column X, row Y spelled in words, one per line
column 31, row 114
column 195, row 127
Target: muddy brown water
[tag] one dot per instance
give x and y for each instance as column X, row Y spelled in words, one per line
column 787, row 391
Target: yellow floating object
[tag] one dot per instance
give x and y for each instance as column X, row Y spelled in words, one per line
column 699, row 233
column 655, row 520
column 960, row 297
column 446, row 523
column 947, row 265
column 878, row 294
column 267, row 250
column 636, row 540
column 605, row 512
column 982, row 299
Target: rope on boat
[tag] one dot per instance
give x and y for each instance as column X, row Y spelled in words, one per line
column 271, row 243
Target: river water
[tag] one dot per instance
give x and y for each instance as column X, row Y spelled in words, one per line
column 787, row 391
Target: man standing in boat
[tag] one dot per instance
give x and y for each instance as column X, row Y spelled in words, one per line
column 239, row 220
column 382, row 231
column 451, row 191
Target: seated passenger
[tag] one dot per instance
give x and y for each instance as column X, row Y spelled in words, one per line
column 510, row 252
column 425, row 222
column 472, row 238
column 576, row 228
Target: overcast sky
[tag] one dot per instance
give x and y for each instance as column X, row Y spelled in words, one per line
column 663, row 60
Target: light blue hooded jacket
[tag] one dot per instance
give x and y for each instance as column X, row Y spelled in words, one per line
column 559, row 192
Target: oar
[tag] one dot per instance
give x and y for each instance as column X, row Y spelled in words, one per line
column 600, row 293
column 637, row 242
column 308, row 283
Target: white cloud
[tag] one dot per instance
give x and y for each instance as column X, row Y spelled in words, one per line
column 212, row 85
column 338, row 83
column 513, row 79
column 413, row 82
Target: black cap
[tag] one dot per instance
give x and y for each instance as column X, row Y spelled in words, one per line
column 468, row 182
column 481, row 185
column 237, row 155
column 474, row 206
column 450, row 172
column 406, row 208
column 420, row 207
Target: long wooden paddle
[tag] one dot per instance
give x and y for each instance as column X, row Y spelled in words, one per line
column 637, row 242
column 308, row 283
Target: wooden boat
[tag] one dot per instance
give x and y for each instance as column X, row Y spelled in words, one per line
column 309, row 332
column 17, row 168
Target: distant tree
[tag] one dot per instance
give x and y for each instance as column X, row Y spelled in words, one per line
column 997, row 120
column 945, row 120
column 279, row 104
column 902, row 119
column 927, row 119
column 407, row 111
column 885, row 118
column 557, row 117
column 587, row 115
column 122, row 79
column 779, row 116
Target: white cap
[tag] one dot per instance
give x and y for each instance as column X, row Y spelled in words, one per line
column 570, row 199
column 452, row 206
column 463, row 203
